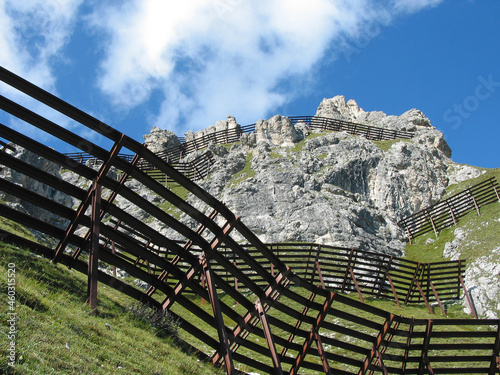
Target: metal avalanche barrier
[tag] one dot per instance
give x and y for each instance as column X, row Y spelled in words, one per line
column 448, row 211
column 266, row 312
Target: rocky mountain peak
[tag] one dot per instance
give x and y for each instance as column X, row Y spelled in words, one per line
column 338, row 108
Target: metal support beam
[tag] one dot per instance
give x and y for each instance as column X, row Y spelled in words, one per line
column 424, row 297
column 298, row 323
column 320, row 275
column 270, row 293
column 269, row 337
column 307, row 344
column 356, row 284
column 466, row 293
column 73, row 225
column 432, row 222
column 94, row 247
column 424, row 359
column 437, row 297
column 375, row 348
column 475, row 202
column 346, row 275
column 410, row 289
column 408, row 343
column 224, row 348
column 322, row 353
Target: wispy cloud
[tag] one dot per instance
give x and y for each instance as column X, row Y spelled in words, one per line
column 413, row 6
column 199, row 59
column 210, row 58
column 33, row 34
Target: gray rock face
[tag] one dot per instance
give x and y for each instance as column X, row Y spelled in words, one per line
column 35, row 186
column 333, row 188
column 160, row 139
column 338, row 108
column 482, row 279
column 279, row 131
column 230, row 125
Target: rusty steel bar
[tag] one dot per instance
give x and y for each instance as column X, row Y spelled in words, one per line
column 424, row 297
column 269, row 338
column 378, row 341
column 356, row 284
column 437, row 298
column 393, row 290
column 307, row 344
column 344, row 283
column 322, row 354
column 94, row 247
column 466, row 293
column 298, row 323
column 475, row 202
column 424, row 361
column 320, row 275
column 224, row 348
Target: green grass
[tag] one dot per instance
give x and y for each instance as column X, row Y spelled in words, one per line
column 244, row 174
column 483, row 231
column 386, row 145
column 169, row 207
column 57, row 333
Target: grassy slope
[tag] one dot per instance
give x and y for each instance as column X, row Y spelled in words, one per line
column 483, row 231
column 57, row 332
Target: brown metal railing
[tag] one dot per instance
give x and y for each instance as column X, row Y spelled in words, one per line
column 173, row 155
column 448, row 211
column 262, row 313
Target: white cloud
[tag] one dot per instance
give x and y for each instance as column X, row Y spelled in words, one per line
column 209, row 58
column 202, row 59
column 413, row 6
column 33, row 34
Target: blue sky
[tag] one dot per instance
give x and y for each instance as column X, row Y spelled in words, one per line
column 184, row 65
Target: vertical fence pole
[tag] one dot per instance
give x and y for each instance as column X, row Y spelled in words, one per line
column 93, row 266
column 469, row 301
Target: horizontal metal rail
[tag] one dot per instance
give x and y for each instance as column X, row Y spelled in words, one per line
column 447, row 212
column 268, row 311
column 174, row 155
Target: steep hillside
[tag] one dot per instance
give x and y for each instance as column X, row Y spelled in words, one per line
column 57, row 333
column 475, row 238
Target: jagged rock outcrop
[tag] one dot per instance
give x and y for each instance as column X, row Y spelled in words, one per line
column 482, row 279
column 338, row 108
column 279, row 131
column 159, row 140
column 229, row 125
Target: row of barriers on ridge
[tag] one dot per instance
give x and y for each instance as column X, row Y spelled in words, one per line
column 262, row 315
column 175, row 154
column 232, row 135
column 448, row 211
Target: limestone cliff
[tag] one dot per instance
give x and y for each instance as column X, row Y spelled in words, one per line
column 332, row 187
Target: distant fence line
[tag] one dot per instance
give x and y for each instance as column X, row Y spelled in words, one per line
column 174, row 154
column 346, row 270
column 448, row 211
